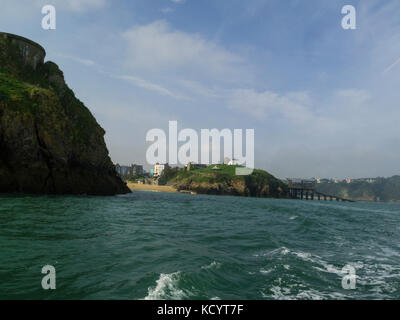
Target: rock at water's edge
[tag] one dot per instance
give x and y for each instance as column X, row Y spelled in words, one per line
column 49, row 141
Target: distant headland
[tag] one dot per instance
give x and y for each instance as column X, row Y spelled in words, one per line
column 221, row 179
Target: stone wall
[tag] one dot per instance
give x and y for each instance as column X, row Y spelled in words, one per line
column 32, row 52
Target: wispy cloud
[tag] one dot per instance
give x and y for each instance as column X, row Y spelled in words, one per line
column 148, row 85
column 85, row 62
column 293, row 106
column 392, row 66
column 167, row 10
column 158, row 47
column 76, row 5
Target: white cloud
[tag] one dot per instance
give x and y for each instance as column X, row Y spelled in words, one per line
column 340, row 108
column 85, row 4
column 293, row 106
column 85, row 62
column 157, row 47
column 167, row 10
column 199, row 89
column 79, row 5
column 353, row 97
column 392, row 66
column 148, row 85
column 82, row 5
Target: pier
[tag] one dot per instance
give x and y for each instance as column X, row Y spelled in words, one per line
column 305, row 190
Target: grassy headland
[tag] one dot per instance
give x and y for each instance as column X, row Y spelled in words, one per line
column 380, row 189
column 224, row 181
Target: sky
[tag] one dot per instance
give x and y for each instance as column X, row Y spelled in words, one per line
column 323, row 101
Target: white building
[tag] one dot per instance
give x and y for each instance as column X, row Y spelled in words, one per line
column 233, row 162
column 158, row 169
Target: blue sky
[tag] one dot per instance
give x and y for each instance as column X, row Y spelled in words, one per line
column 311, row 90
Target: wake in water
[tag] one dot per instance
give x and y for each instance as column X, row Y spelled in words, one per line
column 167, row 288
column 133, row 247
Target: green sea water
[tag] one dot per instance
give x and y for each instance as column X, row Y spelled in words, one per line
column 174, row 246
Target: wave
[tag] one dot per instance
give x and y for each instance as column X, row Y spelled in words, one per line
column 167, row 288
column 212, row 265
column 304, row 256
column 373, row 279
column 279, row 293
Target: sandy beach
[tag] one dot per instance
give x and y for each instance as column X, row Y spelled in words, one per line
column 150, row 187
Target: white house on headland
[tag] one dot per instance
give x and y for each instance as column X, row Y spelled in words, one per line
column 158, row 169
column 233, row 162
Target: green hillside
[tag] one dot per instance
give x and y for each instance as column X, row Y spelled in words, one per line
column 224, row 182
column 382, row 189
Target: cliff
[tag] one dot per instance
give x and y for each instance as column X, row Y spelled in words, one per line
column 224, row 182
column 381, row 189
column 49, row 141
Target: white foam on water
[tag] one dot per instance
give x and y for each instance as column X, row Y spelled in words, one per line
column 303, row 255
column 375, row 278
column 212, row 265
column 281, row 250
column 166, row 288
column 308, row 257
column 383, row 278
column 263, row 271
column 389, row 252
column 278, row 292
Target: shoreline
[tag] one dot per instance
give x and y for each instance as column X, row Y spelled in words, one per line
column 150, row 187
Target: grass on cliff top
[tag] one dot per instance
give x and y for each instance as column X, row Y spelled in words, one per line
column 12, row 89
column 225, row 169
column 222, row 169
column 25, row 90
column 225, row 174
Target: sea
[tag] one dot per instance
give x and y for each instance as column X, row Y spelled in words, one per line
column 149, row 245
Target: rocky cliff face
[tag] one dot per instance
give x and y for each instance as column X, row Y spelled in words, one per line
column 49, row 141
column 244, row 187
column 224, row 182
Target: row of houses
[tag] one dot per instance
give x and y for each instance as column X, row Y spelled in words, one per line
column 158, row 168
column 137, row 170
column 347, row 180
column 132, row 170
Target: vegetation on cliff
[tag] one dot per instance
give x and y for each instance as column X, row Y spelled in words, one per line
column 225, row 182
column 382, row 189
column 49, row 141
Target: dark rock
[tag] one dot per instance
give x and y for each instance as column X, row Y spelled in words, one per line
column 49, row 141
